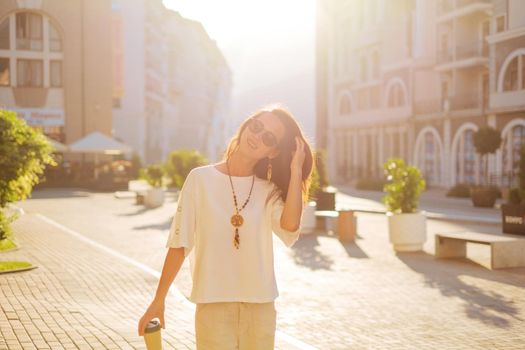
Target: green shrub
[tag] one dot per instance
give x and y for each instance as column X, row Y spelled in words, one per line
column 320, row 162
column 370, row 184
column 404, row 186
column 153, row 174
column 460, row 190
column 486, row 141
column 24, row 154
column 314, row 185
column 180, row 163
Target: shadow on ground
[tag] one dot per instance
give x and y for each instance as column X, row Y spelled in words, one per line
column 488, row 307
column 47, row 193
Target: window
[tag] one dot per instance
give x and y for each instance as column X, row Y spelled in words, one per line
column 345, row 106
column 4, row 34
column 363, row 69
column 396, row 97
column 4, row 72
column 375, row 64
column 28, row 31
column 55, row 73
column 55, row 42
column 510, row 82
column 485, row 90
column 500, row 24
column 29, row 73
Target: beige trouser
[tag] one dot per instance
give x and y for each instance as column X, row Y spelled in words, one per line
column 235, row 325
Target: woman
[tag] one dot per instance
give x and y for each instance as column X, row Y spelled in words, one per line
column 225, row 217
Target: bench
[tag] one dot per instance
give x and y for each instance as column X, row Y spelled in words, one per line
column 506, row 250
column 341, row 221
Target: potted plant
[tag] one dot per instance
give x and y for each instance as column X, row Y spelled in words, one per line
column 153, row 175
column 325, row 195
column 406, row 225
column 513, row 212
column 486, row 141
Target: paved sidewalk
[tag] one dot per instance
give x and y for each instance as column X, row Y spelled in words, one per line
column 357, row 295
column 80, row 297
column 433, row 202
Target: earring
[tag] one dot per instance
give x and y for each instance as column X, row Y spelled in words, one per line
column 269, row 171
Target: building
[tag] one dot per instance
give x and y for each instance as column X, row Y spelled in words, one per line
column 54, row 64
column 171, row 82
column 415, row 79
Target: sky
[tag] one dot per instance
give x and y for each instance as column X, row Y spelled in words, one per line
column 269, row 46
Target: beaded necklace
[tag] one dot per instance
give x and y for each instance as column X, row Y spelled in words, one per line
column 237, row 220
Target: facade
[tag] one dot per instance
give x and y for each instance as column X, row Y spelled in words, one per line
column 54, row 64
column 171, row 83
column 416, row 78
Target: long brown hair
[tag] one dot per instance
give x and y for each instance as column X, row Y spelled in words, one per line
column 281, row 163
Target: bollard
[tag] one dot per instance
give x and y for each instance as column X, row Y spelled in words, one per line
column 346, row 226
column 152, row 335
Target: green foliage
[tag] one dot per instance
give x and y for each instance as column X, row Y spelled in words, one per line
column 180, row 163
column 514, row 196
column 136, row 164
column 517, row 195
column 314, row 185
column 404, row 186
column 320, row 161
column 370, row 184
column 459, row 190
column 5, row 225
column 486, row 140
column 152, row 174
column 24, row 154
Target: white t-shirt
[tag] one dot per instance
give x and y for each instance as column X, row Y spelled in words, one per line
column 220, row 272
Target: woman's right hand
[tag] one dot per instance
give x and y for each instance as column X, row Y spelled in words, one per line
column 155, row 310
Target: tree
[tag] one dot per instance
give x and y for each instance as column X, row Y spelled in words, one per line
column 180, row 163
column 24, row 154
column 486, row 141
column 405, row 184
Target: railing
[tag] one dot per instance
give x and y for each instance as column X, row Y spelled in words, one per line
column 446, row 6
column 474, row 49
column 456, row 102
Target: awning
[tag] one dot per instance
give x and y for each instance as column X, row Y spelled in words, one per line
column 99, row 143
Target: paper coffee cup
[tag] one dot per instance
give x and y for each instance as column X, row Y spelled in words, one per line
column 152, row 335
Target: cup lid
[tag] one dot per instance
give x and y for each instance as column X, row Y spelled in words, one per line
column 153, row 326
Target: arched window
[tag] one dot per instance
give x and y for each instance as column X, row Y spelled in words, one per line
column 375, row 65
column 466, row 160
column 512, row 143
column 36, row 62
column 510, row 81
column 512, row 74
column 363, row 69
column 345, row 105
column 429, row 155
column 396, row 95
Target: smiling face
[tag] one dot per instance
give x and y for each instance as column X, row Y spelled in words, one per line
column 257, row 137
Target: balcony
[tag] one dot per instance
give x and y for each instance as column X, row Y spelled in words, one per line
column 449, row 9
column 452, row 103
column 464, row 56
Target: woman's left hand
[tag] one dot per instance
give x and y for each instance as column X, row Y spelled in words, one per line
column 298, row 156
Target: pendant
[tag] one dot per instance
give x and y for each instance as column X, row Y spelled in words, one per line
column 237, row 239
column 237, row 220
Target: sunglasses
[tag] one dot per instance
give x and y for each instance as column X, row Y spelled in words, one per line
column 268, row 138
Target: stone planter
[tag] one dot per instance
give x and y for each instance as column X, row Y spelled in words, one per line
column 407, row 231
column 483, row 197
column 154, row 198
column 308, row 221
